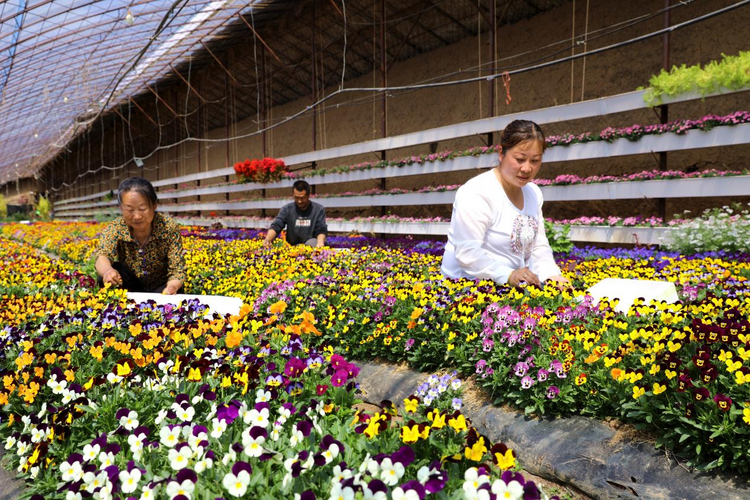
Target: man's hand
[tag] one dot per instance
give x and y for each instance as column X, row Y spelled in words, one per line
column 172, row 287
column 525, row 275
column 112, row 276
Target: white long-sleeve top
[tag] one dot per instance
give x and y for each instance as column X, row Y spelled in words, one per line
column 489, row 237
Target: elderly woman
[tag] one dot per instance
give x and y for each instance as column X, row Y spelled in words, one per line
column 142, row 250
column 497, row 228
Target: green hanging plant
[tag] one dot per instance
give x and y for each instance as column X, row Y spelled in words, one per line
column 732, row 72
column 3, row 207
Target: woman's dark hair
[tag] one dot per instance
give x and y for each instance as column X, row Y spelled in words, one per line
column 140, row 186
column 519, row 131
column 301, row 185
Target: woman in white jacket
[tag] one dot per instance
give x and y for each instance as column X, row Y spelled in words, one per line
column 497, row 228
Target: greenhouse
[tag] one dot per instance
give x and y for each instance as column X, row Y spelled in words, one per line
column 355, row 249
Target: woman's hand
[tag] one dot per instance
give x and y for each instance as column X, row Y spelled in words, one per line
column 561, row 282
column 525, row 275
column 112, row 276
column 172, row 287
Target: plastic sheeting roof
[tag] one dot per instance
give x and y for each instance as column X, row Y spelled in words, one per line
column 64, row 61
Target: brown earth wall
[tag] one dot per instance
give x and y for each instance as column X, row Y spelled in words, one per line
column 354, row 118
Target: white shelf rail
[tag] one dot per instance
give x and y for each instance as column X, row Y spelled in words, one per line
column 694, row 139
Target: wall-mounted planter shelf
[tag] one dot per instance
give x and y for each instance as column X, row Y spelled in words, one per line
column 596, row 107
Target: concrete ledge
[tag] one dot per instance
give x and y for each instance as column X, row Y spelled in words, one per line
column 582, row 452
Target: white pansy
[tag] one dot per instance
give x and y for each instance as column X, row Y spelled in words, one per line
column 73, row 496
column 218, row 428
column 262, row 396
column 391, row 472
column 370, row 495
column 186, row 414
column 106, row 459
column 22, row 448
column 259, row 418
column 160, row 417
column 229, row 457
column 67, row 396
column 91, row 452
column 472, row 476
column 423, row 474
column 129, row 480
column 473, row 494
column 296, row 438
column 10, row 443
column 179, row 459
column 43, row 411
column 185, row 488
column 331, row 453
column 339, row 493
column 212, row 412
column 129, row 421
column 57, row 387
column 94, row 481
column 236, row 485
column 202, row 465
column 148, row 493
column 340, row 474
column 400, row 494
column 136, row 445
column 169, row 437
column 510, row 491
column 369, row 465
column 253, row 446
column 194, row 441
column 71, row 472
column 276, row 431
column 37, row 435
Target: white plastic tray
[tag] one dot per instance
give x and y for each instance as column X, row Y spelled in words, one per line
column 628, row 290
column 216, row 303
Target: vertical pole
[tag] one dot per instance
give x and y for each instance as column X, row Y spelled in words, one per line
column 262, row 105
column 383, row 84
column 491, row 90
column 664, row 109
column 198, row 135
column 314, row 88
column 263, row 101
column 227, row 131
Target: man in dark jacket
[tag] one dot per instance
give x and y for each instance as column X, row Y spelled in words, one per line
column 305, row 220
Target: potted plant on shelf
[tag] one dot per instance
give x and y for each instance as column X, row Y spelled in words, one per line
column 263, row 171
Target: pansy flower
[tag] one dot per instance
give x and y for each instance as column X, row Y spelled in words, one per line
column 723, row 402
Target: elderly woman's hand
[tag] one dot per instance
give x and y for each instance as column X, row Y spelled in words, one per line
column 561, row 282
column 173, row 286
column 112, row 276
column 525, row 275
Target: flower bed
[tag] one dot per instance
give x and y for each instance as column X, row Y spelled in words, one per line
column 107, row 398
column 681, row 370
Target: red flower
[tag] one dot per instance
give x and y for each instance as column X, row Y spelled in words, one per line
column 723, row 402
column 321, row 389
column 265, row 170
column 701, row 394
